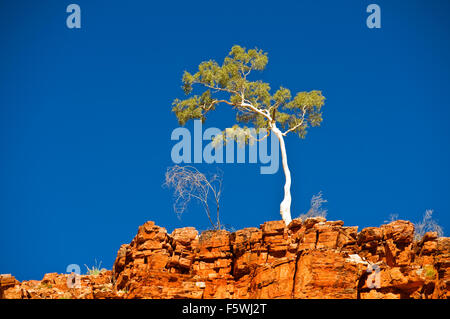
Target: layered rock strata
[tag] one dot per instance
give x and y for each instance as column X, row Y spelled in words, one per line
column 314, row 258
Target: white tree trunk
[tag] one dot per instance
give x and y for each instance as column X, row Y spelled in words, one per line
column 285, row 206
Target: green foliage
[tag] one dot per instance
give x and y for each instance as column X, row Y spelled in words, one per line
column 66, row 295
column 95, row 270
column 45, row 285
column 430, row 272
column 228, row 83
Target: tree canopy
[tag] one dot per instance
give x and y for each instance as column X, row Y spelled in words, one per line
column 229, row 83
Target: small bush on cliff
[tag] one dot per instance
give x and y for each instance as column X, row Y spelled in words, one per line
column 316, row 209
column 188, row 183
column 45, row 285
column 427, row 225
column 95, row 270
column 430, row 272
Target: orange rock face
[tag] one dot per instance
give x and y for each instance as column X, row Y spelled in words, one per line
column 314, row 258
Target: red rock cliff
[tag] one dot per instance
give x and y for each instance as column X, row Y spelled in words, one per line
column 311, row 259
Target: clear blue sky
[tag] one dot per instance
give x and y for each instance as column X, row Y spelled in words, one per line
column 85, row 118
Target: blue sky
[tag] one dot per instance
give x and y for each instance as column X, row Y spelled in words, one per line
column 85, row 118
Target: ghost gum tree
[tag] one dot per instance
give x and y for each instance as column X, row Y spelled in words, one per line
column 228, row 84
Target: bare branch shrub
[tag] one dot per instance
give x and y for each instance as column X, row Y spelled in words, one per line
column 427, row 225
column 392, row 218
column 316, row 209
column 188, row 183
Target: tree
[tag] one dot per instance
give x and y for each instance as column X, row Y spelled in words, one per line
column 188, row 183
column 229, row 84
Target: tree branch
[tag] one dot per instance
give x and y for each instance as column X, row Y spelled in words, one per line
column 298, row 125
column 259, row 111
column 244, row 103
column 217, row 88
column 216, row 102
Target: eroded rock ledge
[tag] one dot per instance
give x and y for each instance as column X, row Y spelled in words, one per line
column 311, row 259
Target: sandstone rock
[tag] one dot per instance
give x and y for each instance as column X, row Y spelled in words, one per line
column 328, row 234
column 370, row 234
column 273, row 227
column 184, row 236
column 325, row 275
column 375, row 294
column 248, row 251
column 429, row 236
column 308, row 240
column 310, row 222
column 274, row 281
column 429, row 247
column 14, row 292
column 347, row 238
column 295, row 223
column 7, row 280
column 313, row 258
column 9, row 288
column 399, row 231
column 443, row 246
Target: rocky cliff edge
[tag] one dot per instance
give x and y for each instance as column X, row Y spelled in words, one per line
column 314, row 258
